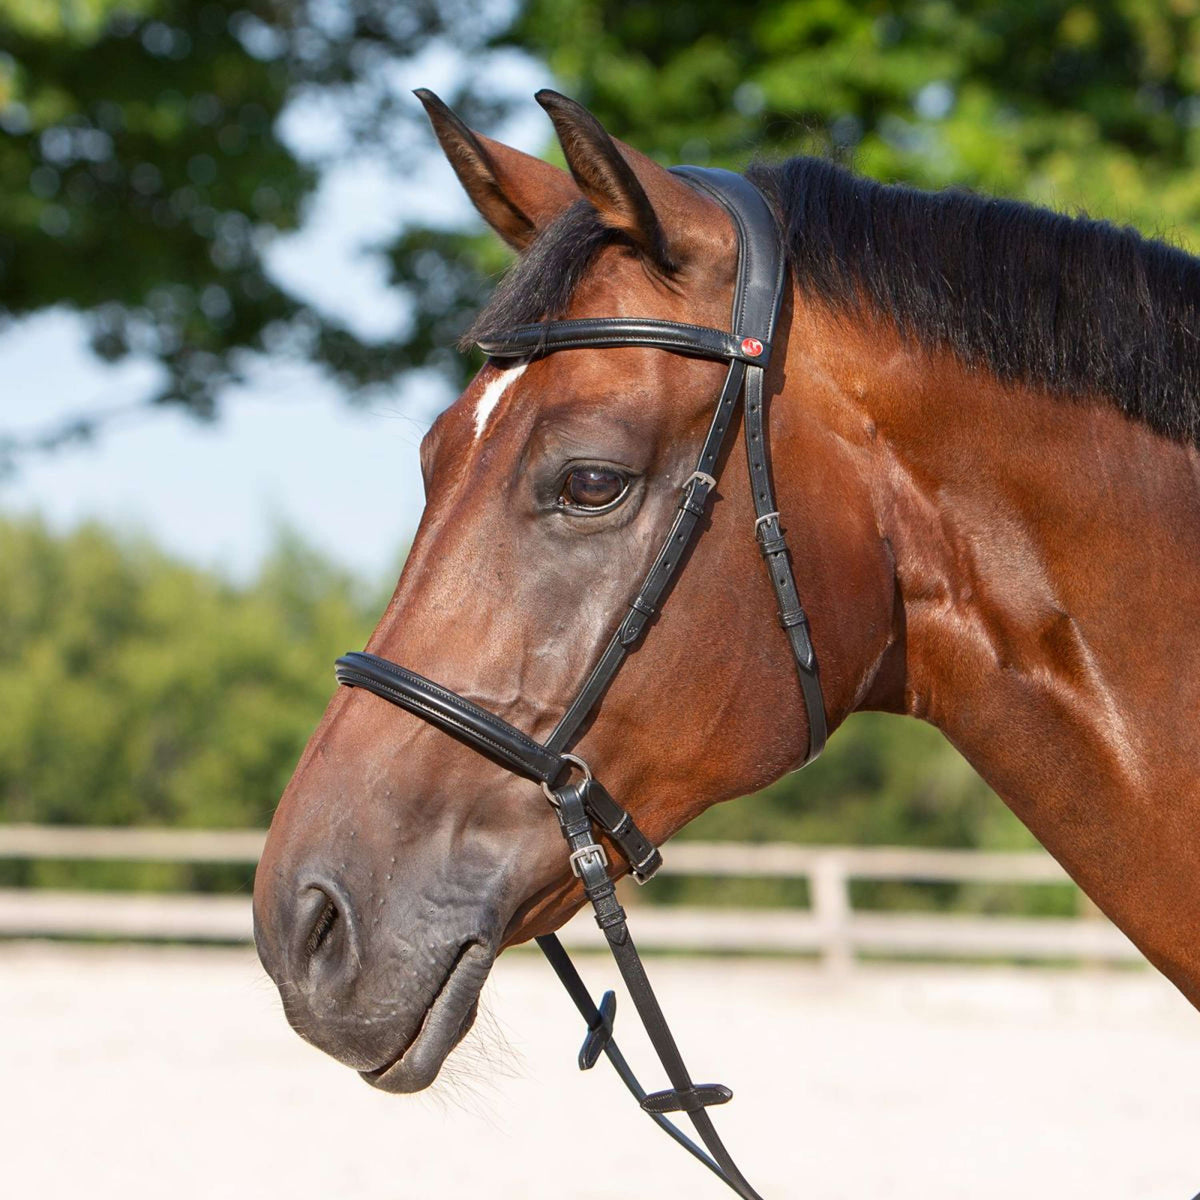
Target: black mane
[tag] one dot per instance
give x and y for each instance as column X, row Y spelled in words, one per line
column 1080, row 307
column 541, row 283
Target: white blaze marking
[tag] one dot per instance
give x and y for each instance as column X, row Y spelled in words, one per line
column 491, row 396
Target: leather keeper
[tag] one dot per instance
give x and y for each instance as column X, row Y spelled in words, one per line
column 638, row 604
column 695, row 497
column 644, row 869
column 571, row 810
column 635, row 847
column 600, row 1034
column 698, row 1096
column 607, row 920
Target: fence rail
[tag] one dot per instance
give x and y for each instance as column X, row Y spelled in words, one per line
column 831, row 927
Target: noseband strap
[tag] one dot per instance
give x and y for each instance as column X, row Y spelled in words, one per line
column 484, row 731
column 747, row 349
column 495, row 737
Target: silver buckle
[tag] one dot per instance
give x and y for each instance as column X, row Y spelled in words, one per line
column 704, row 477
column 591, row 850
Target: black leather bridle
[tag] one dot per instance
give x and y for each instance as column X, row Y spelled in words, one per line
column 747, row 348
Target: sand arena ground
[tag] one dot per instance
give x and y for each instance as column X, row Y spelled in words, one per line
column 144, row 1072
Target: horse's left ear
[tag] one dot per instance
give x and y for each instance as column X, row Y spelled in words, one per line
column 657, row 211
column 516, row 194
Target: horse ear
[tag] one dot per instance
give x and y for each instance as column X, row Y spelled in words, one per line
column 515, row 193
column 664, row 217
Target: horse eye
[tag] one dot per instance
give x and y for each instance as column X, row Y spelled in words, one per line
column 592, row 487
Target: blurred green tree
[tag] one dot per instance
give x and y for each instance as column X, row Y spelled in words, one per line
column 142, row 168
column 1073, row 104
column 135, row 690
column 138, row 691
column 1069, row 103
column 142, row 165
column 143, row 172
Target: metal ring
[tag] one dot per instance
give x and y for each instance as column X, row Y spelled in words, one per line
column 763, row 519
column 575, row 760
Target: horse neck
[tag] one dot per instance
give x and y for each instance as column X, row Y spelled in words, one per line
column 1047, row 567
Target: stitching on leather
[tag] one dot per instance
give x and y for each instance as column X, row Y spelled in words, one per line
column 528, row 752
column 405, row 701
column 601, row 325
column 740, row 298
column 722, row 344
column 611, row 333
column 605, row 669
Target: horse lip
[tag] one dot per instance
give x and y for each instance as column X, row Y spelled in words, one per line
column 446, row 1021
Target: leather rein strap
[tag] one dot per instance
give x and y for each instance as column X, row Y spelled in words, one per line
column 584, row 803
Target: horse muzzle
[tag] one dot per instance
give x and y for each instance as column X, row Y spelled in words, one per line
column 386, row 979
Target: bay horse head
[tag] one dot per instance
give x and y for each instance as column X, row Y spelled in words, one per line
column 958, row 387
column 400, row 862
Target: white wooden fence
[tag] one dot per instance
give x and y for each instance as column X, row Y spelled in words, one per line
column 831, row 927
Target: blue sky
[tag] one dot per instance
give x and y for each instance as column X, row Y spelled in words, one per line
column 287, row 449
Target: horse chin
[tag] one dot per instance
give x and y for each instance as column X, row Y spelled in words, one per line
column 446, row 1022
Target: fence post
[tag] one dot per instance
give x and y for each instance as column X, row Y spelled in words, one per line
column 831, row 905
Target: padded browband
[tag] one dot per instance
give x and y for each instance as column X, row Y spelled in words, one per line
column 531, row 341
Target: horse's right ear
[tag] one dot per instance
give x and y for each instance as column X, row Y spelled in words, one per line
column 515, row 193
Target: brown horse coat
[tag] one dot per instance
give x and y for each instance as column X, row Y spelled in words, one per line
column 979, row 543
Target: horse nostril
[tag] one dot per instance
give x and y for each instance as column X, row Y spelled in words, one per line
column 323, row 928
column 327, row 918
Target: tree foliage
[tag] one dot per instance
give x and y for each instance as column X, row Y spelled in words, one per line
column 144, row 172
column 136, row 690
column 1077, row 105
column 1073, row 104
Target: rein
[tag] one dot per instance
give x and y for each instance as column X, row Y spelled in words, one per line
column 585, row 803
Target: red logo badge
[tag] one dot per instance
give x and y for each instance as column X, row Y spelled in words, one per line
column 752, row 347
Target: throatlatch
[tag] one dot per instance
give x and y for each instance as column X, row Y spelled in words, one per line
column 584, row 803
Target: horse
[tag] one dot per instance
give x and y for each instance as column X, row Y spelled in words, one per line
column 982, row 421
